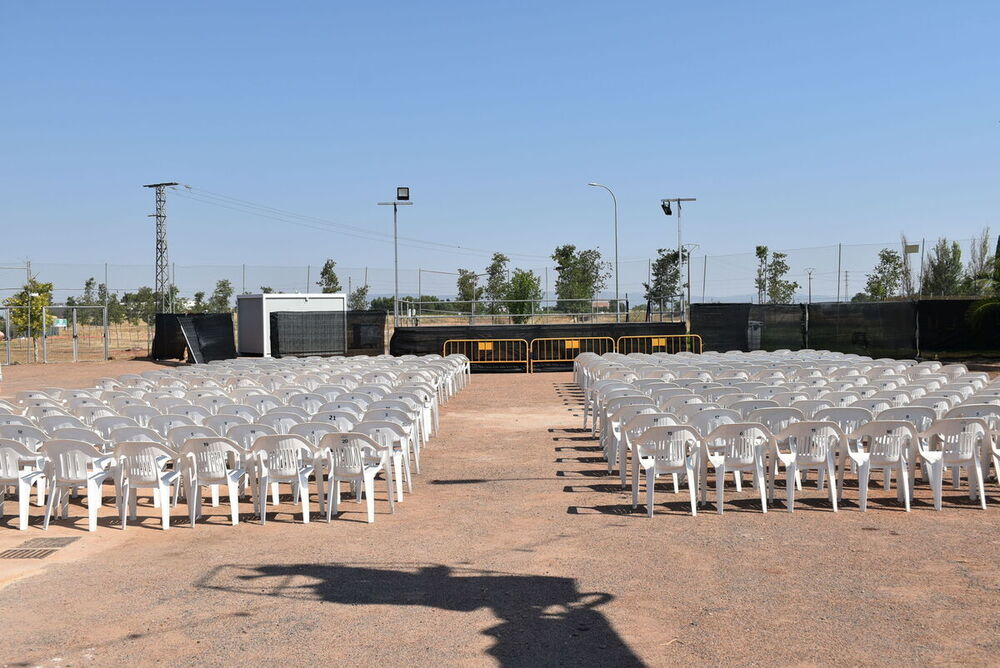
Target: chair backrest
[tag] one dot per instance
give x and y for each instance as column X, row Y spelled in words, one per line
column 16, row 419
column 140, row 414
column 810, row 407
column 741, row 442
column 162, row 424
column 142, row 461
column 308, row 402
column 177, row 436
column 876, row 406
column 849, row 418
column 348, row 453
column 887, row 440
column 210, row 457
column 263, row 402
column 668, row 446
column 775, row 419
column 129, row 434
column 12, row 454
column 989, row 412
column 52, row 422
column 282, row 454
column 33, row 437
column 105, row 425
column 196, row 414
column 247, row 434
column 920, row 417
column 958, row 438
column 79, row 434
column 250, row 413
column 70, row 461
column 707, row 421
column 281, row 422
column 344, row 421
column 813, row 439
column 635, row 426
column 341, row 405
column 314, row 431
column 222, row 423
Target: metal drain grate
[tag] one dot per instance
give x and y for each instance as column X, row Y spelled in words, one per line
column 49, row 542
column 26, row 553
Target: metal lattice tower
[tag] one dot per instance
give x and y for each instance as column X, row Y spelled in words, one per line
column 162, row 261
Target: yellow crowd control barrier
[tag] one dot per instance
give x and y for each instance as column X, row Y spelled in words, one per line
column 664, row 343
column 566, row 349
column 490, row 351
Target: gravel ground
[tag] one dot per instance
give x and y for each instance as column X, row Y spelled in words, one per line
column 517, row 548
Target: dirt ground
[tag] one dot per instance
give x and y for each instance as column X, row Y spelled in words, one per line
column 515, row 548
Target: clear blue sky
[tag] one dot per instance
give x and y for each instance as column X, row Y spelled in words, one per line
column 795, row 124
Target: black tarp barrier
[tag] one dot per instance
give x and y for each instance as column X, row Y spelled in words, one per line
column 945, row 327
column 210, row 334
column 722, row 327
column 366, row 332
column 876, row 329
column 430, row 339
column 308, row 333
column 782, row 326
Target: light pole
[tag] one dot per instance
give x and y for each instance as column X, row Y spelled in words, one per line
column 665, row 205
column 402, row 199
column 615, row 201
column 689, row 248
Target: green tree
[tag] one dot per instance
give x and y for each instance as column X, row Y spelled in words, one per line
column 497, row 283
column 468, row 287
column 328, row 280
column 779, row 290
column 580, row 275
column 770, row 280
column 26, row 308
column 221, row 299
column 266, row 290
column 199, row 305
column 358, row 299
column 943, row 270
column 979, row 270
column 141, row 305
column 525, row 295
column 885, row 281
column 116, row 313
column 665, row 283
column 381, row 304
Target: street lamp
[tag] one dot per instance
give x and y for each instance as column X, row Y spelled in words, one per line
column 665, row 205
column 402, row 199
column 615, row 201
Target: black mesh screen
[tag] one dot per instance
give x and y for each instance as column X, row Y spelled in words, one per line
column 307, row 333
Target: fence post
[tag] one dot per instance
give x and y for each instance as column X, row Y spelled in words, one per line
column 76, row 350
column 6, row 321
column 45, row 338
column 104, row 318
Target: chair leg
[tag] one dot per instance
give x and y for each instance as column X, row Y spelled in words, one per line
column 165, row 506
column 23, row 499
column 677, row 488
column 979, row 483
column 54, row 494
column 650, row 490
column 123, row 505
column 761, row 486
column 215, row 496
column 864, row 476
column 904, row 483
column 936, row 471
column 234, row 501
column 792, row 474
column 832, row 474
column 304, row 494
column 370, row 498
column 274, row 494
column 692, row 482
column 93, row 503
column 720, row 485
column 262, row 499
column 738, row 477
column 40, row 490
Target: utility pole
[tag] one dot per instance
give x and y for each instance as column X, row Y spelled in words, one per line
column 402, row 199
column 846, row 292
column 809, row 279
column 162, row 260
column 665, row 205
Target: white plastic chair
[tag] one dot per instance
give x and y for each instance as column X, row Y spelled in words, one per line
column 283, row 458
column 207, row 464
column 889, row 445
column 811, row 446
column 955, row 443
column 663, row 450
column 143, row 465
column 71, row 465
column 19, row 469
column 355, row 458
column 737, row 447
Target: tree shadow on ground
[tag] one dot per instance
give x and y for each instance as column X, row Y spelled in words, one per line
column 544, row 620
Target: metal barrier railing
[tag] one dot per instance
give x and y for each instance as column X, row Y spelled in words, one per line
column 665, row 343
column 566, row 349
column 490, row 351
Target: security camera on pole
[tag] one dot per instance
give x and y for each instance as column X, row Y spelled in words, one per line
column 402, row 199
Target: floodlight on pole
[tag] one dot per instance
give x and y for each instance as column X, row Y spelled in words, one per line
column 665, row 205
column 402, row 199
column 615, row 201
